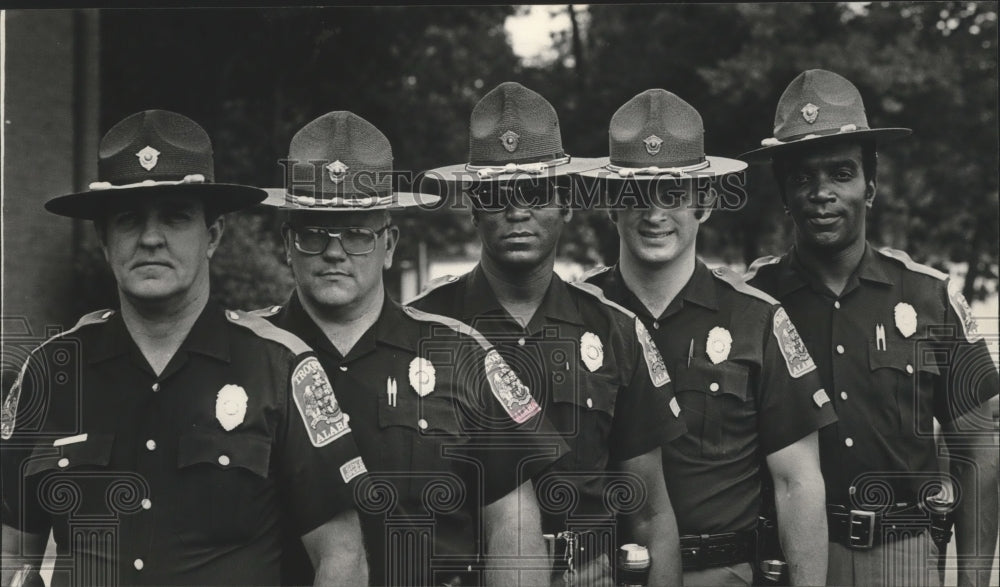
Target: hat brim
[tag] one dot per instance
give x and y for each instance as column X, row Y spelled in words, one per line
column 218, row 197
column 276, row 198
column 766, row 153
column 717, row 167
column 459, row 172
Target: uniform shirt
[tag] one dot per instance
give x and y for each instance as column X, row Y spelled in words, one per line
column 582, row 360
column 895, row 349
column 188, row 477
column 439, row 440
column 745, row 392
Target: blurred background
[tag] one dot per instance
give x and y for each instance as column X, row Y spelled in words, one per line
column 253, row 77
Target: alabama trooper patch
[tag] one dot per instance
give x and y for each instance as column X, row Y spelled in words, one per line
column 906, row 319
column 421, row 376
column 591, row 351
column 654, row 362
column 148, row 157
column 961, row 307
column 513, row 395
column 352, row 469
column 317, row 405
column 718, row 344
column 796, row 355
column 230, row 406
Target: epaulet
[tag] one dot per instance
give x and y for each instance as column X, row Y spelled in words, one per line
column 265, row 312
column 264, row 329
column 751, row 271
column 737, row 282
column 8, row 410
column 594, row 272
column 901, row 257
column 597, row 293
column 456, row 325
column 434, row 284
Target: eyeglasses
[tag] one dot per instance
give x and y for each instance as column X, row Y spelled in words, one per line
column 494, row 197
column 313, row 240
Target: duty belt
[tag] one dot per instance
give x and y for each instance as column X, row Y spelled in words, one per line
column 718, row 550
column 863, row 529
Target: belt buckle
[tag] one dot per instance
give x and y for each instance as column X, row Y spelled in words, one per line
column 861, row 529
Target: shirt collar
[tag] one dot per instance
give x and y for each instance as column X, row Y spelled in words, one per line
column 395, row 328
column 392, row 327
column 557, row 303
column 793, row 274
column 700, row 289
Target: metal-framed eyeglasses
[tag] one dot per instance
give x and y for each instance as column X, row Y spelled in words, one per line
column 355, row 240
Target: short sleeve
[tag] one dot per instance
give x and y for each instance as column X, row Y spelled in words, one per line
column 647, row 415
column 790, row 396
column 969, row 375
column 320, row 462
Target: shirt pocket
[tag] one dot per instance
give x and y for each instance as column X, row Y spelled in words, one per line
column 224, row 492
column 903, row 385
column 585, row 412
column 717, row 408
column 73, row 479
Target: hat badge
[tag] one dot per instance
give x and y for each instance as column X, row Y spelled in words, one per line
column 148, row 157
column 653, row 144
column 509, row 140
column 337, row 171
column 810, row 112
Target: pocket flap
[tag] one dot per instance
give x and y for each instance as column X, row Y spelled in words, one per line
column 225, row 450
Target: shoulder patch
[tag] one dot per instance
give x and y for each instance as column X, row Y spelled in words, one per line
column 456, row 325
column 506, row 386
column 958, row 303
column 8, row 410
column 264, row 329
column 597, row 293
column 594, row 272
column 739, row 283
column 751, row 271
column 654, row 361
column 797, row 357
column 317, row 404
column 910, row 264
column 435, row 284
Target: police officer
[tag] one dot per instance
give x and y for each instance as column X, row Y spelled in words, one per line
column 896, row 347
column 747, row 387
column 160, row 442
column 436, row 413
column 601, row 384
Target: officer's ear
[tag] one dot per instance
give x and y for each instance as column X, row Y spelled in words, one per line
column 870, row 188
column 286, row 240
column 215, row 230
column 391, row 240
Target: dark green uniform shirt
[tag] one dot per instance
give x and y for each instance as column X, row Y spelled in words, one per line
column 189, row 477
column 745, row 392
column 597, row 383
column 895, row 349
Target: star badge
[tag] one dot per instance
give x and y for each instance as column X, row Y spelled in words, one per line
column 906, row 319
column 421, row 376
column 591, row 351
column 230, row 406
column 148, row 157
column 718, row 345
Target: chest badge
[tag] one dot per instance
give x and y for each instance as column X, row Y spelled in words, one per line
column 591, row 351
column 421, row 376
column 231, row 406
column 718, row 344
column 906, row 319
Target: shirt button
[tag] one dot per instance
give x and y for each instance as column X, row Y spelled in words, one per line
column 590, row 403
column 150, row 444
column 233, row 315
column 836, row 305
column 63, row 462
column 852, row 490
column 422, row 423
column 656, row 325
column 224, row 460
column 909, row 369
column 138, row 564
column 146, row 504
column 843, row 395
column 849, row 442
column 343, row 367
column 840, row 349
column 520, row 341
column 106, row 315
column 714, row 386
column 156, row 387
